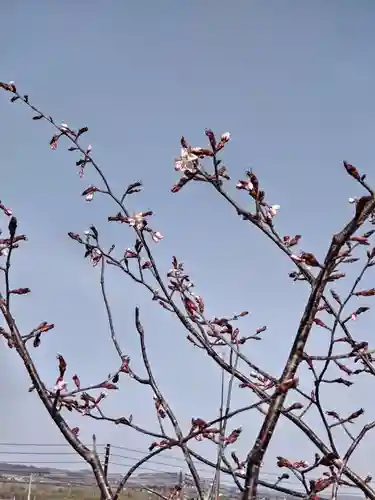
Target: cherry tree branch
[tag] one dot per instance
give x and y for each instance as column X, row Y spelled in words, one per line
column 175, row 294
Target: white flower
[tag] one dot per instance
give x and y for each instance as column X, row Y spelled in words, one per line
column 89, row 196
column 188, row 161
column 137, row 220
column 225, row 137
column 4, row 252
column 352, row 200
column 95, row 256
column 248, row 185
column 61, row 385
column 273, row 210
column 64, row 127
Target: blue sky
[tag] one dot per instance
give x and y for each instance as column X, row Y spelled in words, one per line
column 292, row 81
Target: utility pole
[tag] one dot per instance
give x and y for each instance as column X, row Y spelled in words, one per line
column 106, row 461
column 29, row 490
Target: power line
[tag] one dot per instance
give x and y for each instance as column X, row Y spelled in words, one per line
column 2, row 452
column 48, row 445
column 113, row 455
column 267, row 475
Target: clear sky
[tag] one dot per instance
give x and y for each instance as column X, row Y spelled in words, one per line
column 292, row 81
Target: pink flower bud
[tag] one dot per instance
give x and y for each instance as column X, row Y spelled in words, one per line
column 6, row 211
column 156, row 236
column 95, row 256
column 76, row 381
column 20, row 291
column 109, row 385
column 129, row 254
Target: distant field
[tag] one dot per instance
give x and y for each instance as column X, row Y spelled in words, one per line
column 8, row 490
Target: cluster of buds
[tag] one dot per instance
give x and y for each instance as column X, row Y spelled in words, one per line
column 193, row 306
column 221, row 326
column 6, row 243
column 83, row 405
column 350, row 418
column 133, row 253
column 201, row 430
column 159, row 407
column 93, row 252
column 214, row 143
column 188, row 163
column 83, row 161
column 252, row 186
column 64, row 130
column 90, row 402
column 177, row 271
column 139, row 222
column 77, row 399
column 179, row 281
